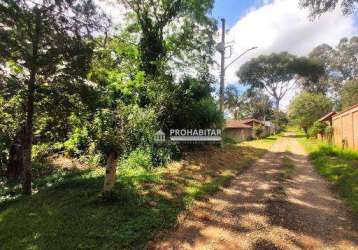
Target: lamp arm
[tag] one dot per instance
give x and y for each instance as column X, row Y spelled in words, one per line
column 237, row 58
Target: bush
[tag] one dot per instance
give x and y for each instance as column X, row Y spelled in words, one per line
column 78, row 141
column 138, row 158
column 306, row 108
column 152, row 156
column 318, row 128
column 162, row 154
column 41, row 151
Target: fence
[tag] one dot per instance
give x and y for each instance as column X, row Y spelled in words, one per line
column 345, row 128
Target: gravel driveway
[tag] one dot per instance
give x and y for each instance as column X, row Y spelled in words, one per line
column 265, row 209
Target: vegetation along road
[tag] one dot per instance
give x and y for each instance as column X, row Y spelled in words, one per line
column 279, row 203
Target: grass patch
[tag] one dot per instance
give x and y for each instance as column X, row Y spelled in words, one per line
column 264, row 143
column 287, row 167
column 339, row 166
column 67, row 212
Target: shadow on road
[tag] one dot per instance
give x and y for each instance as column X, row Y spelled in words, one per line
column 262, row 210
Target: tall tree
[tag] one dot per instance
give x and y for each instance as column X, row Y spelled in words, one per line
column 341, row 63
column 349, row 94
column 319, row 7
column 274, row 73
column 49, row 41
column 345, row 59
column 257, row 105
column 251, row 103
column 232, row 100
column 311, row 75
column 173, row 29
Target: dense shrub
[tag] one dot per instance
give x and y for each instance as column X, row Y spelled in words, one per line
column 161, row 154
column 78, row 141
column 306, row 108
column 138, row 158
column 188, row 104
column 10, row 120
column 318, row 128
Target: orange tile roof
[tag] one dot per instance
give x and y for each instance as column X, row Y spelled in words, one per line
column 235, row 124
column 250, row 120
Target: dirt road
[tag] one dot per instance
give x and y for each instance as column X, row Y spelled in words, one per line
column 265, row 209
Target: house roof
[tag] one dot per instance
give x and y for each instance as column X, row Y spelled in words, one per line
column 250, row 120
column 236, row 124
column 327, row 116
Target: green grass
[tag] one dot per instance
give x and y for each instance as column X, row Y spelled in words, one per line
column 339, row 166
column 67, row 212
column 263, row 143
column 287, row 167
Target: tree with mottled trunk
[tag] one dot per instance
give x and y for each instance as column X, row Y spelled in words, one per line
column 47, row 45
column 15, row 165
column 111, row 167
column 275, row 74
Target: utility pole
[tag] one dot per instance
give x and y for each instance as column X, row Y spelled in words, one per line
column 222, row 66
column 221, row 49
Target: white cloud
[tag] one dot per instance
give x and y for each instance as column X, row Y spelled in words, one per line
column 281, row 26
column 114, row 10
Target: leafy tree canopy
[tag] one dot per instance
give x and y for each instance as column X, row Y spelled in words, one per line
column 274, row 73
column 42, row 43
column 311, row 75
column 319, row 7
column 349, row 94
column 306, row 108
column 169, row 29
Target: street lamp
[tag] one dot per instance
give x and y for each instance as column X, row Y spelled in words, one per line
column 237, row 58
column 223, row 70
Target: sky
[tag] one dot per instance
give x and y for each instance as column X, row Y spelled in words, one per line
column 272, row 26
column 276, row 26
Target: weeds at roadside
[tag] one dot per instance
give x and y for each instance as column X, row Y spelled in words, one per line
column 338, row 166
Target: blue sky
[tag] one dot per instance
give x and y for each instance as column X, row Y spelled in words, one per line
column 276, row 26
column 232, row 10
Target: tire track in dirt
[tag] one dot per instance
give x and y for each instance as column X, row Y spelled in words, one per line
column 262, row 210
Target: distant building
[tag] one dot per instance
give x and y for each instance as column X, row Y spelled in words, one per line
column 344, row 127
column 242, row 130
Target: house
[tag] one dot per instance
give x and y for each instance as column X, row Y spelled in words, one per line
column 270, row 127
column 238, row 131
column 251, row 122
column 345, row 127
column 241, row 130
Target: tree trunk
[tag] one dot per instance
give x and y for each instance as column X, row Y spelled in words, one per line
column 27, row 140
column 306, row 132
column 277, row 104
column 110, row 178
column 277, row 115
column 15, row 167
